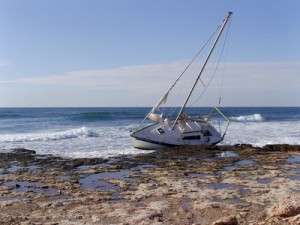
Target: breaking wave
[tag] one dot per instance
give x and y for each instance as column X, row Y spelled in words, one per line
column 248, row 118
column 55, row 136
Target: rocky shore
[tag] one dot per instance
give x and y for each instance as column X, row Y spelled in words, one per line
column 205, row 185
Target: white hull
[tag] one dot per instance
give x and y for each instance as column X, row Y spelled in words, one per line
column 159, row 136
column 146, row 145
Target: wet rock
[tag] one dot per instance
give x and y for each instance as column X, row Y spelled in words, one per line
column 245, row 146
column 85, row 161
column 288, row 206
column 44, row 187
column 282, row 147
column 24, row 151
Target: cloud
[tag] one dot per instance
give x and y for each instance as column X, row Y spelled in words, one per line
column 136, row 77
column 263, row 76
column 263, row 84
column 254, row 83
column 268, row 74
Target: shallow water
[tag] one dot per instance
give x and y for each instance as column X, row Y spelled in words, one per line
column 16, row 168
column 265, row 181
column 197, row 175
column 17, row 198
column 145, row 166
column 225, row 169
column 294, row 159
column 63, row 177
column 244, row 162
column 95, row 181
column 225, row 185
column 243, row 188
column 294, row 177
column 24, row 186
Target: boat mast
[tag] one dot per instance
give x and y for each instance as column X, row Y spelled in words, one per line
column 203, row 66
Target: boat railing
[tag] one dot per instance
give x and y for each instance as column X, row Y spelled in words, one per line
column 224, row 117
column 197, row 118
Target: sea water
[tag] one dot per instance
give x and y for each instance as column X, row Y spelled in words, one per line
column 104, row 132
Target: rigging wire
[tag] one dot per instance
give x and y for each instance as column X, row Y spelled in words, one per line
column 174, row 108
column 227, row 38
column 196, row 56
column 214, row 72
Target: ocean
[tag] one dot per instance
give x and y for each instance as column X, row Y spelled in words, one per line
column 104, row 132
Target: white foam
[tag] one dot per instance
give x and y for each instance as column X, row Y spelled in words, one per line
column 248, row 118
column 263, row 133
column 89, row 142
column 52, row 136
column 108, row 141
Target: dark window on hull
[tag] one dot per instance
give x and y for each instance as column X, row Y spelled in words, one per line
column 160, row 130
column 194, row 137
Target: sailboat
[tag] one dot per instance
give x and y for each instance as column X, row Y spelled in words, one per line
column 184, row 130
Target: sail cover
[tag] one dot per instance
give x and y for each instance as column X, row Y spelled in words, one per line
column 158, row 117
column 163, row 100
column 155, row 117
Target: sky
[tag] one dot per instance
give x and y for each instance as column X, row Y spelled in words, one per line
column 103, row 53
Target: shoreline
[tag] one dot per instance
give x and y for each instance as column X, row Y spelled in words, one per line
column 239, row 184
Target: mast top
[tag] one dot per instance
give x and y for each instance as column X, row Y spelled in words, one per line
column 203, row 66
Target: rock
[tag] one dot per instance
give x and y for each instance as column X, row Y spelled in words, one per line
column 6, row 188
column 87, row 161
column 243, row 146
column 288, row 206
column 5, row 203
column 24, row 151
column 282, row 147
column 246, row 146
column 229, row 220
column 178, row 186
column 44, row 187
column 295, row 220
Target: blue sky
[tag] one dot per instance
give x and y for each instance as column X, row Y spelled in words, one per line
column 124, row 53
